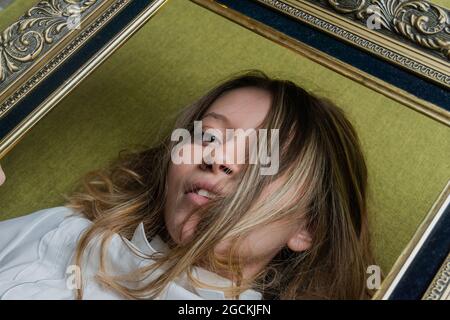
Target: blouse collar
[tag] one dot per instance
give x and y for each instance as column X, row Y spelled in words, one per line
column 157, row 245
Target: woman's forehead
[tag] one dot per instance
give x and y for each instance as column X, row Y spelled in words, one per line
column 241, row 108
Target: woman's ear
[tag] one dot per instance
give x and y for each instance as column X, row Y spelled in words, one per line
column 300, row 241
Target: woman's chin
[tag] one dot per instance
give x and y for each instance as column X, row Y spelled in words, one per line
column 188, row 229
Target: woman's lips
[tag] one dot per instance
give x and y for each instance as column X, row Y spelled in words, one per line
column 200, row 194
column 197, row 199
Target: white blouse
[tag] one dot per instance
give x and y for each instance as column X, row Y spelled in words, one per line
column 37, row 253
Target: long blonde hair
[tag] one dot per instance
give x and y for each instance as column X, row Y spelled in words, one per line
column 319, row 153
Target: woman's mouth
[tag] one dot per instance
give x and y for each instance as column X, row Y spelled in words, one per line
column 200, row 196
column 201, row 192
column 205, row 193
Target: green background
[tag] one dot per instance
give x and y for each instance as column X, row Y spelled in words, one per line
column 179, row 54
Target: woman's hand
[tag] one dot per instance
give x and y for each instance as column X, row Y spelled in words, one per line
column 2, row 176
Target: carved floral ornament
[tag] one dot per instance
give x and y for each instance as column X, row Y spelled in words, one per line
column 421, row 22
column 24, row 40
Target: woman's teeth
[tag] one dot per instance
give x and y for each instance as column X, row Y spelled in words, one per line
column 205, row 193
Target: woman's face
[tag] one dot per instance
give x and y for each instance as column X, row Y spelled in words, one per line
column 191, row 185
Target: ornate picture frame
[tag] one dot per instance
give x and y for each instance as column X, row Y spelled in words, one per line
column 35, row 46
column 414, row 35
column 42, row 59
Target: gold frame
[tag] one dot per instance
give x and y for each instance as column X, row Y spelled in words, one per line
column 60, row 50
column 43, row 66
column 408, row 254
column 47, row 44
column 425, row 107
column 440, row 286
column 410, row 45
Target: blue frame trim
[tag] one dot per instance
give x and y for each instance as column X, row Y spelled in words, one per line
column 419, row 275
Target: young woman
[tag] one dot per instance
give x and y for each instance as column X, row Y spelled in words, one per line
column 149, row 228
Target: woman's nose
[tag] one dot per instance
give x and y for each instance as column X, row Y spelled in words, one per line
column 220, row 162
column 218, row 168
column 227, row 158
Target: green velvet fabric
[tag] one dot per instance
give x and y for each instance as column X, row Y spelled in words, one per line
column 179, row 54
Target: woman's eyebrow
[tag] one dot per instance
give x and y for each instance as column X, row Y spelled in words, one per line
column 217, row 116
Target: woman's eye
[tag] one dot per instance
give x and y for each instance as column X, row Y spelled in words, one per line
column 209, row 137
